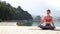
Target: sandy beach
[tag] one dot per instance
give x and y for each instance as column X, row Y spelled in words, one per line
column 25, row 29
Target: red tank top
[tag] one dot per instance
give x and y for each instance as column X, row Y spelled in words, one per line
column 48, row 19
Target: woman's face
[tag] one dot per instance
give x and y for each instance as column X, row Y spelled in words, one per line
column 48, row 12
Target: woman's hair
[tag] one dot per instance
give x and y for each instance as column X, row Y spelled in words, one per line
column 48, row 10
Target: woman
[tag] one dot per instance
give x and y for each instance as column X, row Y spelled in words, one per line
column 48, row 20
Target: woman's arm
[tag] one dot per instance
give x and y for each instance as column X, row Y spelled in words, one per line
column 42, row 21
column 53, row 22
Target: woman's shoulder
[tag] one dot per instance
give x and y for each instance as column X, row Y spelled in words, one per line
column 49, row 16
column 45, row 16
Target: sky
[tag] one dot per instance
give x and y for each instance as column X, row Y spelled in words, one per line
column 37, row 7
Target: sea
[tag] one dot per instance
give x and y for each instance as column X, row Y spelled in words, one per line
column 56, row 23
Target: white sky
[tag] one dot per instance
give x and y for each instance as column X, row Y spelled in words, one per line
column 37, row 7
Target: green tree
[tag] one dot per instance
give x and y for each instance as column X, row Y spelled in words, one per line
column 7, row 12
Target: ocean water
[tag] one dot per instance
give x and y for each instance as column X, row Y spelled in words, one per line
column 56, row 23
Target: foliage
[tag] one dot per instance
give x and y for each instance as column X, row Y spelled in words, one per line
column 7, row 12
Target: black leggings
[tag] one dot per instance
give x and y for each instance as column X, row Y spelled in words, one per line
column 47, row 26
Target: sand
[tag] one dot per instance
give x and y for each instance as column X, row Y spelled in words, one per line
column 12, row 28
column 26, row 30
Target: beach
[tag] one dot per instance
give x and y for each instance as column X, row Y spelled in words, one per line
column 26, row 30
column 14, row 29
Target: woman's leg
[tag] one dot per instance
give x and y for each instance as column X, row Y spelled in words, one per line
column 43, row 27
column 46, row 27
column 50, row 27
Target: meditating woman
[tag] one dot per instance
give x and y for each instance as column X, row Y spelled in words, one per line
column 48, row 20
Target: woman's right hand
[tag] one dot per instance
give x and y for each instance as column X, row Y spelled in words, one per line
column 38, row 25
